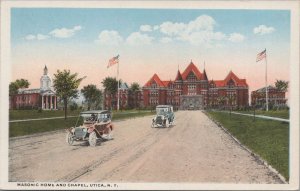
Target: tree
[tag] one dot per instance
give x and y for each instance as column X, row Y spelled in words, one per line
column 92, row 95
column 111, row 87
column 65, row 84
column 134, row 88
column 16, row 85
column 282, row 85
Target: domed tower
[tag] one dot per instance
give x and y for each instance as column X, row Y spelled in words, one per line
column 45, row 80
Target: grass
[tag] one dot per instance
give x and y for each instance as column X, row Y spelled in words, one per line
column 32, row 127
column 276, row 113
column 267, row 138
column 33, row 114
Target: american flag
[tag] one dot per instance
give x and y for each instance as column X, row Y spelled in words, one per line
column 113, row 61
column 261, row 56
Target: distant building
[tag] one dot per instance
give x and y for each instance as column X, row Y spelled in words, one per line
column 128, row 99
column 276, row 98
column 43, row 97
column 191, row 89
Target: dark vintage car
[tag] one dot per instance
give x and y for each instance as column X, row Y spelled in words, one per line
column 164, row 116
column 95, row 125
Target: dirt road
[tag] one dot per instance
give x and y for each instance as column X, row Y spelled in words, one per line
column 193, row 150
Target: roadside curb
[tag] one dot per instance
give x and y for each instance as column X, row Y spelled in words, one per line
column 256, row 156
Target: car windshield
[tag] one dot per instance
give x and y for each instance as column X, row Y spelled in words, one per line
column 162, row 110
column 93, row 117
column 89, row 117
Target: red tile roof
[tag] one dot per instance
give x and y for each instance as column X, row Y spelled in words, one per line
column 204, row 76
column 193, row 68
column 157, row 81
column 238, row 81
column 178, row 76
column 166, row 83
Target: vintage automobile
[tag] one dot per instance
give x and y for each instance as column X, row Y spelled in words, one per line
column 95, row 125
column 164, row 116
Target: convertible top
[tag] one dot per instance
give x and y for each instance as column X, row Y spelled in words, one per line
column 163, row 106
column 95, row 112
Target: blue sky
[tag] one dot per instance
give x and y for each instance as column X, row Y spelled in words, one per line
column 126, row 21
column 156, row 40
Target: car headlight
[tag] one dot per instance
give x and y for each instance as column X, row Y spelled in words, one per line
column 84, row 130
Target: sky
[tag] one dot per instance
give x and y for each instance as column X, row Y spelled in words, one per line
column 149, row 41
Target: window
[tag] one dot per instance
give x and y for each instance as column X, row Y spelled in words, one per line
column 191, row 77
column 192, row 89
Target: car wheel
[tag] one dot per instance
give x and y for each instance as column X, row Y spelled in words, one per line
column 167, row 123
column 93, row 139
column 69, row 138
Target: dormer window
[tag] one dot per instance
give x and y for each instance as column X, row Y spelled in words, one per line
column 230, row 83
column 191, row 77
column 153, row 85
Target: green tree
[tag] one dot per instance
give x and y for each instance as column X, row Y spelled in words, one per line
column 111, row 87
column 282, row 85
column 16, row 85
column 65, row 84
column 134, row 88
column 92, row 95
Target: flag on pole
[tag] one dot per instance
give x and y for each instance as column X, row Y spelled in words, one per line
column 261, row 56
column 113, row 61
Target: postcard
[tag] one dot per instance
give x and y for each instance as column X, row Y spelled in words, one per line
column 149, row 95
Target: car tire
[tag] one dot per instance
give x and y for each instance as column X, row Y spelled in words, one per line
column 93, row 139
column 69, row 138
column 167, row 123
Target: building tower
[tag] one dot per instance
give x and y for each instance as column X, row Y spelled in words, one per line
column 45, row 80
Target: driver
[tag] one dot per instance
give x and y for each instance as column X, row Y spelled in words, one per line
column 93, row 117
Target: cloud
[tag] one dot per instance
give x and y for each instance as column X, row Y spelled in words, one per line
column 42, row 37
column 172, row 29
column 137, row 38
column 165, row 40
column 236, row 37
column 65, row 32
column 263, row 29
column 156, row 27
column 196, row 32
column 111, row 37
column 30, row 37
column 145, row 28
column 36, row 37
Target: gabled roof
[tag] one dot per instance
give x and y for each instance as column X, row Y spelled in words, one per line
column 263, row 90
column 238, row 81
column 167, row 83
column 191, row 68
column 178, row 76
column 124, row 86
column 219, row 83
column 157, row 81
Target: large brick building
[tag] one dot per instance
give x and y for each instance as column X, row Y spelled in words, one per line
column 128, row 99
column 43, row 97
column 191, row 89
column 276, row 98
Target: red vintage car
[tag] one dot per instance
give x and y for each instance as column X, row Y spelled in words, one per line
column 95, row 125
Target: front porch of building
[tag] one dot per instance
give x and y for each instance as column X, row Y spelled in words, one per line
column 191, row 102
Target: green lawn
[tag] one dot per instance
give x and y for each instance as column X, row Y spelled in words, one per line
column 31, row 127
column 267, row 138
column 33, row 114
column 277, row 113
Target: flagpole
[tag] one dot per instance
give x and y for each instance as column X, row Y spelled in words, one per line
column 267, row 97
column 118, row 106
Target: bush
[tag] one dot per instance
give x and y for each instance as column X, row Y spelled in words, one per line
column 73, row 106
